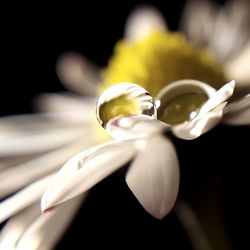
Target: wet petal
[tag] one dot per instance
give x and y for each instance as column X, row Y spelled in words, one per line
column 47, row 229
column 85, row 170
column 208, row 122
column 219, row 97
column 154, row 176
column 238, row 112
column 134, row 126
column 23, row 198
column 16, row 177
column 208, row 117
column 78, row 73
column 195, row 128
column 142, row 21
column 16, row 226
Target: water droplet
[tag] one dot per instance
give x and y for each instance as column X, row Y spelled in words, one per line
column 181, row 100
column 124, row 99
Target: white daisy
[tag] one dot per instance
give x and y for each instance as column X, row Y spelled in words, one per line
column 34, row 147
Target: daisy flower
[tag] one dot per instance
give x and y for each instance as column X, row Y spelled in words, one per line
column 34, row 147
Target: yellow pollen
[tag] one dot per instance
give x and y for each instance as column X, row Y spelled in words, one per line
column 159, row 59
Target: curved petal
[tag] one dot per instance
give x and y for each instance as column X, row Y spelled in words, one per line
column 208, row 117
column 134, row 126
column 238, row 112
column 20, row 175
column 16, row 226
column 153, row 176
column 78, row 73
column 47, row 229
column 220, row 96
column 195, row 128
column 85, row 170
column 23, row 198
column 142, row 21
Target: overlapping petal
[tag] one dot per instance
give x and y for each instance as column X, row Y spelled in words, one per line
column 238, row 112
column 209, row 115
column 86, row 169
column 135, row 126
column 153, row 176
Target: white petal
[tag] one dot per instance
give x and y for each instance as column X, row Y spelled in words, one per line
column 23, row 174
column 154, row 176
column 7, row 162
column 208, row 117
column 23, row 198
column 219, row 97
column 197, row 21
column 142, row 21
column 67, row 108
column 231, row 29
column 85, row 170
column 78, row 73
column 238, row 68
column 238, row 112
column 22, row 142
column 195, row 128
column 48, row 228
column 16, row 226
column 208, row 122
column 134, row 126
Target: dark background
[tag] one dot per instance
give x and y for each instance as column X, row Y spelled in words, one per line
column 33, row 38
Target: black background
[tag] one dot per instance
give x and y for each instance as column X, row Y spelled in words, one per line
column 33, row 37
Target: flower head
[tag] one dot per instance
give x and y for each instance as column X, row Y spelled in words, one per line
column 34, row 147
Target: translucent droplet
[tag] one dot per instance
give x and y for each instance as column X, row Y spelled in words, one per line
column 180, row 101
column 182, row 108
column 124, row 99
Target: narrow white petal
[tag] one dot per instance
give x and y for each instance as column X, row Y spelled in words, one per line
column 238, row 112
column 209, row 115
column 16, row 226
column 16, row 177
column 7, row 162
column 23, row 198
column 20, row 143
column 67, row 108
column 208, row 122
column 48, row 228
column 219, row 97
column 142, row 21
column 238, row 68
column 196, row 16
column 153, row 176
column 231, row 29
column 195, row 128
column 78, row 73
column 85, row 170
column 134, row 126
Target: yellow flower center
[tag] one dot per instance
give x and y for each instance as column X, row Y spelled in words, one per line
column 159, row 59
